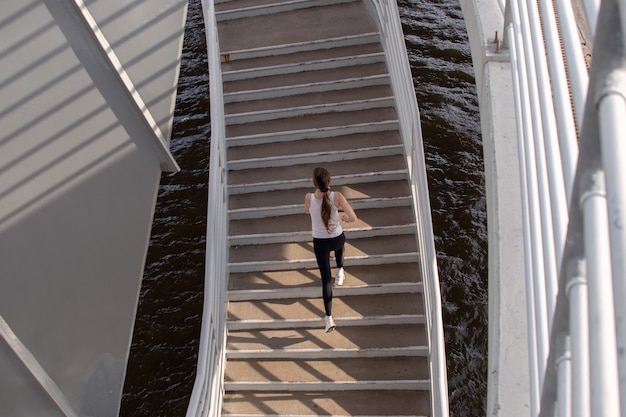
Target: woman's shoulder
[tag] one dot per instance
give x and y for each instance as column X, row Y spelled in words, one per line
column 336, row 196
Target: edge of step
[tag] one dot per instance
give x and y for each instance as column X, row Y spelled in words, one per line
column 404, row 385
column 317, row 322
column 305, row 183
column 234, row 119
column 322, row 64
column 273, row 8
column 333, row 353
column 318, row 415
column 313, row 133
column 294, row 90
column 311, row 292
column 291, row 209
column 305, row 236
column 235, row 267
column 295, row 47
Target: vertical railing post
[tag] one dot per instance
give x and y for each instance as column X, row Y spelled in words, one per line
column 602, row 353
column 612, row 123
column 613, row 134
column 576, row 290
column 563, row 364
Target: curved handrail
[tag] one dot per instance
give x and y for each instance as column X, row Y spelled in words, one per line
column 206, row 398
column 411, row 133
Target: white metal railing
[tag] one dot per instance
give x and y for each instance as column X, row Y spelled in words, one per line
column 411, row 132
column 572, row 155
column 206, row 398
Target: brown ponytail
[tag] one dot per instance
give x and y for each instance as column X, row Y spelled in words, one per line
column 321, row 180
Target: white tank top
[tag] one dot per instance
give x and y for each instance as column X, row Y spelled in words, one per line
column 317, row 225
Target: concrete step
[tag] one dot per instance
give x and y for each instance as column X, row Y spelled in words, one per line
column 405, row 403
column 301, row 222
column 319, row 157
column 367, row 167
column 306, row 68
column 305, row 235
column 280, row 53
column 366, row 246
column 295, row 209
column 328, row 353
column 357, row 175
column 238, row 9
column 366, row 190
column 312, row 309
column 324, row 119
column 306, row 100
column 339, row 370
column 318, row 323
column 298, row 145
column 312, row 292
column 305, row 25
column 294, row 280
column 287, row 91
column 307, row 118
column 296, row 110
column 294, row 264
column 306, row 134
column 369, row 339
column 330, row 71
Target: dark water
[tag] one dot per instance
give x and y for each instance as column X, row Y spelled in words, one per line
column 162, row 364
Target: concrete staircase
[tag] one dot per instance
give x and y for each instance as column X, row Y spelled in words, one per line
column 306, row 84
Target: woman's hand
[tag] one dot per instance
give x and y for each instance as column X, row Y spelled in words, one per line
column 347, row 218
column 349, row 215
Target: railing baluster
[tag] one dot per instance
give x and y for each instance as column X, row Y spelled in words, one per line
column 587, row 382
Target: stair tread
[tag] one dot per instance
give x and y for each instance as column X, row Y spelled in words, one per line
column 314, row 370
column 301, row 56
column 320, row 120
column 304, row 170
column 313, row 308
column 305, row 77
column 381, row 189
column 309, row 99
column 330, row 403
column 354, row 337
column 355, row 275
column 376, row 217
column 252, row 32
column 380, row 245
column 344, row 142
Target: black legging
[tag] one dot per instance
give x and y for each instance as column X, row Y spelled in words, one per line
column 322, row 248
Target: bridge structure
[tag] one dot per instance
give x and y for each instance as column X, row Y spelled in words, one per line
column 561, row 65
column 295, row 84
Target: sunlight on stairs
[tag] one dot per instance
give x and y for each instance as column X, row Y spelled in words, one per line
column 305, row 84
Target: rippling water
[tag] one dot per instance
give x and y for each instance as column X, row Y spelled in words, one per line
column 441, row 65
column 161, row 368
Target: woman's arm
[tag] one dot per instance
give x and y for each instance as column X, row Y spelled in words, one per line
column 348, row 213
column 307, row 202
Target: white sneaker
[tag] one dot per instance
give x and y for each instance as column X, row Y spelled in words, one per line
column 330, row 324
column 340, row 277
